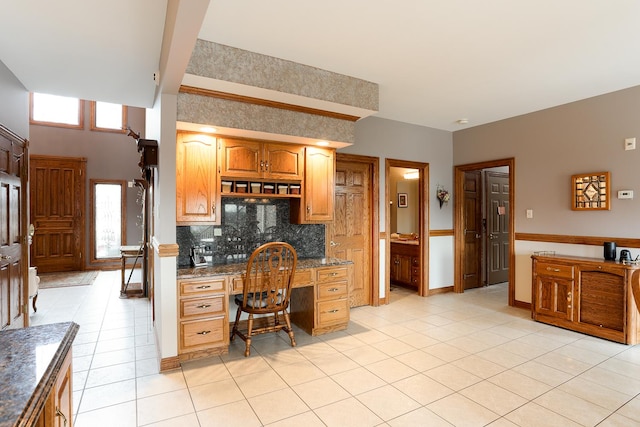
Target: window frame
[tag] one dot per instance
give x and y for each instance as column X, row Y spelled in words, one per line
column 93, row 116
column 123, row 218
column 80, row 124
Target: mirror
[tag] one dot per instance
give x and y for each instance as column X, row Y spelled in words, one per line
column 403, row 200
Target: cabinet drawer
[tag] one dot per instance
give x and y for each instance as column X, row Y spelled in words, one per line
column 331, row 274
column 203, row 333
column 331, row 291
column 203, row 306
column 300, row 278
column 415, row 261
column 331, row 312
column 555, row 270
column 205, row 286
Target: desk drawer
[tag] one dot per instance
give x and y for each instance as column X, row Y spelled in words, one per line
column 204, row 286
column 332, row 312
column 555, row 270
column 329, row 274
column 203, row 333
column 202, row 306
column 300, row 278
column 331, row 291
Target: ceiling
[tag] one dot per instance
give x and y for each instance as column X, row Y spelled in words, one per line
column 435, row 61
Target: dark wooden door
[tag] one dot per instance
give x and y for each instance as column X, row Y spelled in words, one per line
column 350, row 231
column 12, row 231
column 497, row 189
column 57, row 212
column 472, row 273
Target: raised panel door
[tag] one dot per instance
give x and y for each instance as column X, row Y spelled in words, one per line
column 319, row 184
column 554, row 297
column 283, row 161
column 241, row 159
column 197, row 195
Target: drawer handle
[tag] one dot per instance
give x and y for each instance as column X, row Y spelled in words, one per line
column 204, row 306
column 334, row 274
column 333, row 289
column 60, row 414
column 203, row 287
column 335, row 310
column 203, row 332
column 557, row 270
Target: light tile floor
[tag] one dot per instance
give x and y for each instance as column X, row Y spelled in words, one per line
column 449, row 359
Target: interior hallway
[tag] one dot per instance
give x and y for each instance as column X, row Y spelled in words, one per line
column 462, row 360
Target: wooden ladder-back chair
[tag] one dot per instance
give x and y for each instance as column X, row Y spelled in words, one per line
column 266, row 290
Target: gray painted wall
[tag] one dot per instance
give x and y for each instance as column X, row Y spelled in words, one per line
column 109, row 156
column 551, row 145
column 14, row 108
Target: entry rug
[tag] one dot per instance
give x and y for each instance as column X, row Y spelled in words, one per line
column 67, row 278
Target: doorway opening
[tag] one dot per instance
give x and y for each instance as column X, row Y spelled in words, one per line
column 407, row 222
column 483, row 225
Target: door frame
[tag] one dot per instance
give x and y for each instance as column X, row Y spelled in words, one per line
column 423, row 223
column 458, row 226
column 374, row 163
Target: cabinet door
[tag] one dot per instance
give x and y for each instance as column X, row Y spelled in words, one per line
column 601, row 299
column 284, row 161
column 404, row 269
column 318, row 184
column 554, row 297
column 241, row 159
column 197, row 193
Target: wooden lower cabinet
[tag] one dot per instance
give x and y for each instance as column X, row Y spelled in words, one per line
column 587, row 295
column 58, row 409
column 405, row 264
column 203, row 323
column 324, row 307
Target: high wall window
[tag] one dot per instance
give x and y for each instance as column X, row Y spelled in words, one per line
column 108, row 117
column 108, row 213
column 54, row 110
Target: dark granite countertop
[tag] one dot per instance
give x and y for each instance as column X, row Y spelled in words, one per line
column 239, row 268
column 30, row 359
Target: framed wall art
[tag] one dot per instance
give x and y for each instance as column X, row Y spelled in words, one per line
column 403, row 201
column 591, row 191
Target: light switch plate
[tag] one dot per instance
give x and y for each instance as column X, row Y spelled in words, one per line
column 529, row 213
column 630, row 144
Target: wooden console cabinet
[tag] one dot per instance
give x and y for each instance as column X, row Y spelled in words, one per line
column 586, row 295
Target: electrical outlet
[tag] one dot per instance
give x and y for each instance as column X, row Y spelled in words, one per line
column 217, row 232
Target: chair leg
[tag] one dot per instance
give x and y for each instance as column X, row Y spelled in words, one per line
column 289, row 329
column 35, row 297
column 234, row 331
column 247, row 350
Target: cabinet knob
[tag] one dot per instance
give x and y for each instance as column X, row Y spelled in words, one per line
column 333, row 311
column 60, row 414
column 333, row 290
column 203, row 332
column 203, row 287
column 204, row 306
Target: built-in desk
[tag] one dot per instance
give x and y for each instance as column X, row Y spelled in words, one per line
column 319, row 302
column 35, row 375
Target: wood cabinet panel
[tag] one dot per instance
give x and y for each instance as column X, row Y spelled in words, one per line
column 602, row 300
column 240, row 158
column 197, row 192
column 405, row 264
column 261, row 160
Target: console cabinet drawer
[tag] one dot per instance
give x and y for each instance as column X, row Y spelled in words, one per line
column 202, row 306
column 203, row 333
column 330, row 274
column 194, row 287
column 332, row 312
column 555, row 270
column 331, row 291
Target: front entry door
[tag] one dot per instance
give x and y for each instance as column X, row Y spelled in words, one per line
column 472, row 273
column 497, row 227
column 350, row 231
column 12, row 192
column 57, row 212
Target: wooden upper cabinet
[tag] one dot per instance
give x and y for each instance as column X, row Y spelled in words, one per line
column 260, row 160
column 197, row 192
column 318, row 194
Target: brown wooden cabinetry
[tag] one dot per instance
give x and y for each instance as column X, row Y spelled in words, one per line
column 405, row 264
column 261, row 160
column 316, row 204
column 58, row 408
column 197, row 192
column 203, row 323
column 586, row 295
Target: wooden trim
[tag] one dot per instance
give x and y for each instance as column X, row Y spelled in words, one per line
column 423, row 220
column 169, row 363
column 265, row 103
column 444, row 290
column 80, row 124
column 578, row 240
column 92, row 220
column 166, row 250
column 458, row 225
column 92, row 123
column 522, row 304
column 440, row 233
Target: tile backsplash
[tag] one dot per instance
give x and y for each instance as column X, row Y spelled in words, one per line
column 246, row 224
